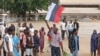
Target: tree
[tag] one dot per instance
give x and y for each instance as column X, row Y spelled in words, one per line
column 20, row 7
column 35, row 5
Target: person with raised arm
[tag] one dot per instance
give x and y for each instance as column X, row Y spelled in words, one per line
column 56, row 41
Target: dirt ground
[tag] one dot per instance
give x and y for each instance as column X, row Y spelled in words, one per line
column 85, row 32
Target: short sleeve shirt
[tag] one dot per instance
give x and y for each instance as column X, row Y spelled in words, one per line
column 63, row 26
column 56, row 39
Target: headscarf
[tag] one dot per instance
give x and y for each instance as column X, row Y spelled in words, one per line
column 94, row 34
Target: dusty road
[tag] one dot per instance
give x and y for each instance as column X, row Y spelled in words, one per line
column 85, row 31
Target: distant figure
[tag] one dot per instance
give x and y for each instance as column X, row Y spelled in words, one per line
column 93, row 43
column 31, row 28
column 98, row 45
column 70, row 31
column 18, row 29
column 12, row 25
column 70, row 27
column 63, row 28
column 24, row 25
column 76, row 25
column 36, row 43
column 74, row 43
column 42, row 35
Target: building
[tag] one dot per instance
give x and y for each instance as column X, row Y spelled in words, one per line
column 80, row 8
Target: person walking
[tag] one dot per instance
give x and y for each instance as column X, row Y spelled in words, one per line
column 42, row 34
column 93, row 43
column 56, row 41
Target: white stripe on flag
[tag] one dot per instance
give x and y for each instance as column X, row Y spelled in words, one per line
column 50, row 11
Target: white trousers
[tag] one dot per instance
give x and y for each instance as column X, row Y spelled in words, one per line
column 29, row 51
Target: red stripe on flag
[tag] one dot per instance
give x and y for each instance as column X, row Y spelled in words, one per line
column 58, row 13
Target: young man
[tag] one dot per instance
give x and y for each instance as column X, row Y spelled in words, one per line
column 56, row 41
column 63, row 28
column 8, row 42
column 74, row 43
column 36, row 43
column 31, row 28
column 70, row 30
column 76, row 25
column 22, row 41
column 16, row 42
column 6, row 33
column 28, row 42
column 70, row 27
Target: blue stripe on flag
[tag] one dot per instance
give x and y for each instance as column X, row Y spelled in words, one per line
column 52, row 17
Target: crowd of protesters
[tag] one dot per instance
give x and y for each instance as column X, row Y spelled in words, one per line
column 23, row 38
column 30, row 41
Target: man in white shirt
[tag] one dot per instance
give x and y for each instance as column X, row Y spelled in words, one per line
column 63, row 28
column 8, row 42
column 70, row 30
column 70, row 27
column 31, row 28
column 56, row 41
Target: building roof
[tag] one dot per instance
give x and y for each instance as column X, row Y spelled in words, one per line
column 77, row 11
column 82, row 2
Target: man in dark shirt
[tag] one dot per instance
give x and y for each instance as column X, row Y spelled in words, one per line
column 76, row 25
column 36, row 42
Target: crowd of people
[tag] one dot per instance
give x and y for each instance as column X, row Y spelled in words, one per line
column 23, row 38
column 30, row 41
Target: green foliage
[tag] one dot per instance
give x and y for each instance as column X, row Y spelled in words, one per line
column 20, row 7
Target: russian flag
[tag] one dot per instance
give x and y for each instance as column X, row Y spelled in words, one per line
column 54, row 13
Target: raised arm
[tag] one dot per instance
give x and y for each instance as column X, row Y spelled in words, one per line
column 47, row 24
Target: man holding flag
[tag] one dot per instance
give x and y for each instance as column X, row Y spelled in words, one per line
column 56, row 41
